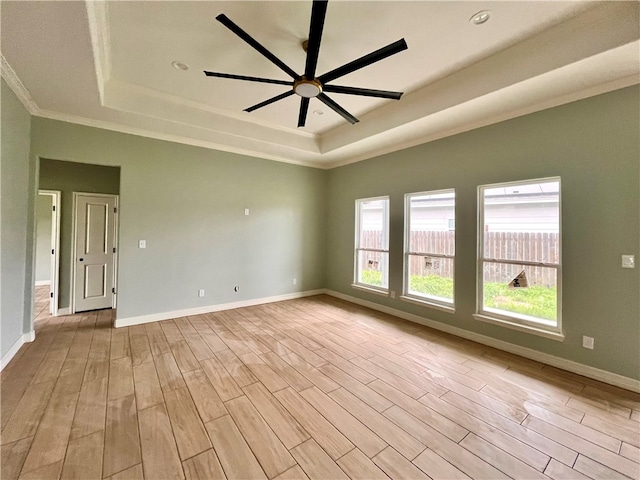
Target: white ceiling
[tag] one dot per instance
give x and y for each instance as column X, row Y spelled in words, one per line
column 108, row 64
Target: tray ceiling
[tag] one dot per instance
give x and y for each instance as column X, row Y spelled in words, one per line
column 109, row 64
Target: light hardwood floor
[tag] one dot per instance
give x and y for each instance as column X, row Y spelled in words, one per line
column 315, row 388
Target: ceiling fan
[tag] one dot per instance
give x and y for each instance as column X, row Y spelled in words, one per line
column 309, row 86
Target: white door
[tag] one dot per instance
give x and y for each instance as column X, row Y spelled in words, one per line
column 94, row 251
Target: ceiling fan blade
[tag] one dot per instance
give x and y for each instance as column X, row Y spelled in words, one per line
column 223, row 19
column 249, row 79
column 364, row 61
column 302, row 116
column 270, row 101
column 362, row 91
column 337, row 108
column 318, row 12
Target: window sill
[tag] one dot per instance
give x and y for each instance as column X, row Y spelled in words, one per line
column 427, row 303
column 375, row 291
column 553, row 335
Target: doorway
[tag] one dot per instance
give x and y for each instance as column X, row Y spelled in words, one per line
column 94, row 251
column 70, row 178
column 48, row 246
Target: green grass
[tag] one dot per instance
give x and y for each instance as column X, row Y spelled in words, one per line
column 539, row 302
column 535, row 301
column 372, row 277
column 433, row 285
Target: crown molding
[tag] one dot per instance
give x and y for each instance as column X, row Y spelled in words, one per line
column 493, row 119
column 131, row 98
column 10, row 76
column 141, row 132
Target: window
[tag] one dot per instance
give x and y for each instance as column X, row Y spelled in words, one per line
column 429, row 252
column 519, row 267
column 372, row 243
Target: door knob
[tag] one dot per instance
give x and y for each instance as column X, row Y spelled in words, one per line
column 81, row 259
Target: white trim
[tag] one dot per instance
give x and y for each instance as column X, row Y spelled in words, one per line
column 143, row 132
column 100, row 42
column 548, row 359
column 42, row 283
column 6, row 358
column 155, row 317
column 14, row 82
column 333, row 158
column 428, row 304
column 56, row 203
column 368, row 289
column 63, row 311
column 521, row 327
column 24, row 338
column 116, row 255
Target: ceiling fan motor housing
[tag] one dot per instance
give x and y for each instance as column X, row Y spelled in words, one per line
column 307, row 88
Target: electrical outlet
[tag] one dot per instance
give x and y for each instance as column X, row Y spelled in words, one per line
column 142, row 244
column 295, row 281
column 236, row 288
column 587, row 342
column 393, row 294
column 201, row 292
column 246, row 211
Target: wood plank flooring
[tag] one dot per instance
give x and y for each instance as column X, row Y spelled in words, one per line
column 311, row 388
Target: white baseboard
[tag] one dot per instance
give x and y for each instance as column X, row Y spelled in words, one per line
column 64, row 311
column 569, row 365
column 155, row 317
column 24, row 338
column 41, row 283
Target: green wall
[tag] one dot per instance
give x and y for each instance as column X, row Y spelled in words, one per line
column 43, row 238
column 188, row 204
column 594, row 146
column 17, row 186
column 69, row 177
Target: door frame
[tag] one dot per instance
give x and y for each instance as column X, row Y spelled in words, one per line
column 74, row 246
column 54, row 287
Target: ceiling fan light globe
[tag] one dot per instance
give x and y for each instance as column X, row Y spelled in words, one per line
column 307, row 88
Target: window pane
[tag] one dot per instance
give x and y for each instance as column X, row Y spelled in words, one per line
column 373, row 268
column 535, row 295
column 522, row 222
column 373, row 224
column 431, row 277
column 432, row 223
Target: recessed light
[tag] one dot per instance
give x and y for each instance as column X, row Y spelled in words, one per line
column 481, row 17
column 180, row 65
column 318, row 112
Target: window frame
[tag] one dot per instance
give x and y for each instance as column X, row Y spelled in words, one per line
column 516, row 321
column 357, row 249
column 430, row 301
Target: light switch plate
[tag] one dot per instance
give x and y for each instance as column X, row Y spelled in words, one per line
column 628, row 261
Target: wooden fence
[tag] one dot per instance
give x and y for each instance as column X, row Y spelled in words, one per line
column 529, row 246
